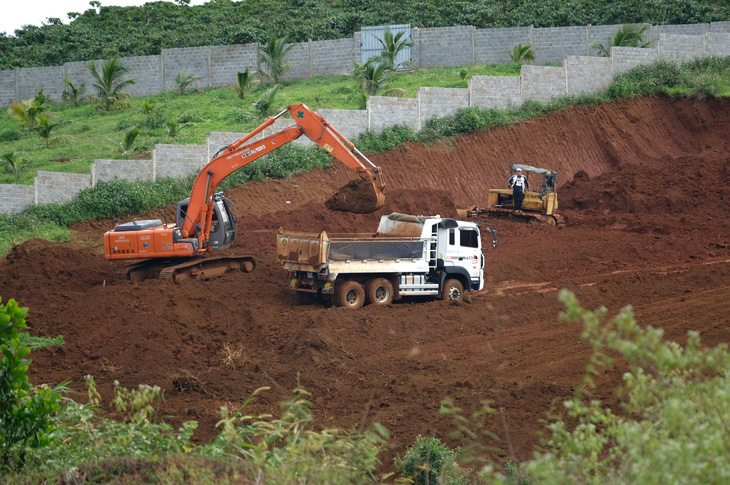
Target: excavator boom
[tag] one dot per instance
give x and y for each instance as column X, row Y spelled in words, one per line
column 206, row 221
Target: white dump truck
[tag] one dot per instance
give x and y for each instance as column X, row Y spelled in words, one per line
column 408, row 256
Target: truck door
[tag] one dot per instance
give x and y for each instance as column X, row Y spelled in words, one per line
column 470, row 254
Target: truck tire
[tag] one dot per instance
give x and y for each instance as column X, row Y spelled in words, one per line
column 349, row 294
column 379, row 291
column 453, row 290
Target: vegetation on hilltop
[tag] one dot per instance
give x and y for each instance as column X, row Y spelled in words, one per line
column 105, row 32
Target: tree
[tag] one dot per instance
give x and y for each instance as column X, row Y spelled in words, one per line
column 183, row 80
column 71, row 93
column 25, row 410
column 393, row 44
column 271, row 55
column 373, row 76
column 27, row 111
column 245, row 81
column 522, row 53
column 45, row 128
column 265, row 106
column 15, row 165
column 109, row 85
column 127, row 145
column 626, row 36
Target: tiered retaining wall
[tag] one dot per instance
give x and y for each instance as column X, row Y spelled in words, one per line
column 578, row 74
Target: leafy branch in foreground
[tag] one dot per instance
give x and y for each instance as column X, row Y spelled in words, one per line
column 675, row 416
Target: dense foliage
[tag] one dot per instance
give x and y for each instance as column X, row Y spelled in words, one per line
column 105, row 32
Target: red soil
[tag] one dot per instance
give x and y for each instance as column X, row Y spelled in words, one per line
column 646, row 195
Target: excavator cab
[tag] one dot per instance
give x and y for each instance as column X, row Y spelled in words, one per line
column 223, row 225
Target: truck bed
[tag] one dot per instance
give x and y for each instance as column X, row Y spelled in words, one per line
column 315, row 249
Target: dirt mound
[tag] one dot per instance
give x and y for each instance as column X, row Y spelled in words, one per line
column 644, row 189
column 668, row 193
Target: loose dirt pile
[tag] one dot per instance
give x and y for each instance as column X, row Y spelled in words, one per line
column 644, row 190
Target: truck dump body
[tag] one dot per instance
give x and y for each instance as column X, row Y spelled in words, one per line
column 310, row 251
column 375, row 248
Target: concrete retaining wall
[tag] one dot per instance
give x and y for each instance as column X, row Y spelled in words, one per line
column 106, row 170
column 438, row 102
column 496, row 92
column 59, row 186
column 579, row 74
column 384, row 111
column 543, row 83
column 587, row 74
column 15, row 198
column 179, row 160
column 433, row 47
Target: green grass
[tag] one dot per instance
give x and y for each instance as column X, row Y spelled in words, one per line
column 36, row 343
column 85, row 133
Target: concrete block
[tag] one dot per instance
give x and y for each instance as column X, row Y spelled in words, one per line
column 15, row 198
column 588, row 74
column 542, row 83
column 384, row 111
column 438, row 102
column 495, row 92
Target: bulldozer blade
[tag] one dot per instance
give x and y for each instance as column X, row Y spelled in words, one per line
column 358, row 196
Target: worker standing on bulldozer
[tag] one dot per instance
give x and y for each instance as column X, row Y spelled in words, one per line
column 519, row 184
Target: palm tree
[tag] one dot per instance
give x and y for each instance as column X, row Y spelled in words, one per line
column 627, row 36
column 15, row 165
column 184, row 80
column 71, row 93
column 109, row 84
column 245, row 82
column 25, row 112
column 45, row 128
column 272, row 56
column 372, row 78
column 265, row 106
column 393, row 44
column 522, row 53
column 127, row 145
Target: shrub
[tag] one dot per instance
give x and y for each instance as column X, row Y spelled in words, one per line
column 676, row 408
column 25, row 411
column 428, row 461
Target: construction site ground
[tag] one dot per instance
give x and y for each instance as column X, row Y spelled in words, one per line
column 643, row 185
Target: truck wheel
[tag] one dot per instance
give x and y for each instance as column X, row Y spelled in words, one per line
column 379, row 291
column 453, row 290
column 349, row 294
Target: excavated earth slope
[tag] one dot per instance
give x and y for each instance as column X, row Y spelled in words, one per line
column 646, row 195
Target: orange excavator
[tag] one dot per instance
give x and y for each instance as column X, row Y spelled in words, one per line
column 207, row 221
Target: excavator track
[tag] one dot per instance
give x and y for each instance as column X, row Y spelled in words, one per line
column 199, row 268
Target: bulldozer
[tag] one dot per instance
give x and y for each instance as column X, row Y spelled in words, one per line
column 538, row 207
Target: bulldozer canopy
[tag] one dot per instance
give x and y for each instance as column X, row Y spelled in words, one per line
column 530, row 168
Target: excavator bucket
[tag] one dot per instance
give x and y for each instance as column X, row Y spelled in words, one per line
column 358, row 196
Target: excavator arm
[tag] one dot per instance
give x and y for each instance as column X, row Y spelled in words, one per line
column 243, row 152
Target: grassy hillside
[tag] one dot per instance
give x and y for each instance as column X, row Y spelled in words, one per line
column 88, row 133
column 85, row 133
column 103, row 32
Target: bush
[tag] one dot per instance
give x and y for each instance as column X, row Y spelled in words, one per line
column 25, row 411
column 673, row 426
column 428, row 461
